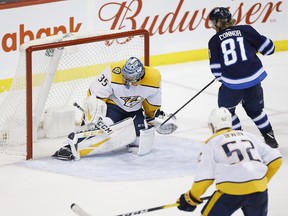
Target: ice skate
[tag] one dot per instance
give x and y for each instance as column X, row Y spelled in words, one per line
column 64, row 153
column 270, row 139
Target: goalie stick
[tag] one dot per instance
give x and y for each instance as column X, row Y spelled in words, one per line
column 81, row 212
column 79, row 107
column 173, row 114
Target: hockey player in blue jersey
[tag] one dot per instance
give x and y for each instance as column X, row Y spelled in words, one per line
column 233, row 60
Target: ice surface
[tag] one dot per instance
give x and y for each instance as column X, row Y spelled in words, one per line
column 121, row 182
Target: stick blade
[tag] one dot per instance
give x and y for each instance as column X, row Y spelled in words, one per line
column 78, row 210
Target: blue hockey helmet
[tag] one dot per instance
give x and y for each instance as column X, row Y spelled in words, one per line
column 133, row 71
column 219, row 13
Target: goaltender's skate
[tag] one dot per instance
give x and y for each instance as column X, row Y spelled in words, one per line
column 64, row 153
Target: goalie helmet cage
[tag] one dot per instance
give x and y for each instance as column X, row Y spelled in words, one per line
column 47, row 64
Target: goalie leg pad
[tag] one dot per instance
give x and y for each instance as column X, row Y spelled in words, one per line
column 123, row 134
column 102, row 125
column 94, row 140
column 146, row 140
column 75, row 153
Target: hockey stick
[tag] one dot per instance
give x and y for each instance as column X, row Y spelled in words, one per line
column 79, row 107
column 78, row 210
column 173, row 114
column 81, row 212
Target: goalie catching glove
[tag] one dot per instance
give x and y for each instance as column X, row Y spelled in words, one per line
column 160, row 117
column 94, row 109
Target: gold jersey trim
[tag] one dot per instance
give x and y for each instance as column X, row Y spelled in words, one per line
column 241, row 188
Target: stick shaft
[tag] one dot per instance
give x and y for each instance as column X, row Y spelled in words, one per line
column 188, row 101
column 149, row 210
column 81, row 212
column 79, row 107
column 156, row 208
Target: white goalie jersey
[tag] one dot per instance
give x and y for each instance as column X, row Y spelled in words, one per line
column 236, row 161
column 109, row 86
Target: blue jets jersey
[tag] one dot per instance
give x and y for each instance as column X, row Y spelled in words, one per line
column 233, row 58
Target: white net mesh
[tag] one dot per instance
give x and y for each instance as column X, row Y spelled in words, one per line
column 60, row 77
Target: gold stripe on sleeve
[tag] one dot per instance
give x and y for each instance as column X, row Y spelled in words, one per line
column 149, row 108
column 199, row 188
column 273, row 168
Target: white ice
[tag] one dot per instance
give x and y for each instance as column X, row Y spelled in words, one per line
column 122, row 182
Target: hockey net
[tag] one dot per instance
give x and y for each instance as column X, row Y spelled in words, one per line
column 52, row 74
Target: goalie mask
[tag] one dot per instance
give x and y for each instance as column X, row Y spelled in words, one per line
column 133, row 71
column 220, row 118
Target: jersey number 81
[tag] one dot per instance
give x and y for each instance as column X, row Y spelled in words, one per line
column 229, row 50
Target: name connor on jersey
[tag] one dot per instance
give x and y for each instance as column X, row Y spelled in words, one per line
column 230, row 34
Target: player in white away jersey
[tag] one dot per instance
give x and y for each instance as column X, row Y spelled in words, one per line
column 126, row 97
column 239, row 164
column 122, row 108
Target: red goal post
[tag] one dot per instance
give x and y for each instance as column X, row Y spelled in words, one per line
column 55, row 72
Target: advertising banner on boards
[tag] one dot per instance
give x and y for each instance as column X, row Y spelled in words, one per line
column 174, row 26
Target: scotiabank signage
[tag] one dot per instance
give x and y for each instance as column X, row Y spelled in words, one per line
column 11, row 40
column 174, row 26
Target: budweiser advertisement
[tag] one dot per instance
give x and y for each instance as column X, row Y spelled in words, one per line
column 174, row 26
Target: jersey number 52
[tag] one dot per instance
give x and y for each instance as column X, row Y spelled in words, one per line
column 244, row 150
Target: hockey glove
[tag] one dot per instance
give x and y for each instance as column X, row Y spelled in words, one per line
column 187, row 202
column 94, row 109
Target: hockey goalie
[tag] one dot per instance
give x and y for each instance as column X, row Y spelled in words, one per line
column 122, row 109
